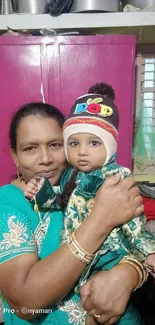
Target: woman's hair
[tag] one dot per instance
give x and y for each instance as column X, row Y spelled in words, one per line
column 103, row 89
column 40, row 108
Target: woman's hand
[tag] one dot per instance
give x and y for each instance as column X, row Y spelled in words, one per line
column 107, row 293
column 117, row 200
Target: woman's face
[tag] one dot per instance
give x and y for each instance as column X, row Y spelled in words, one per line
column 40, row 150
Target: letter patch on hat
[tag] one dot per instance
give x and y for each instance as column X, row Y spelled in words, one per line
column 93, row 107
column 106, row 110
column 80, row 108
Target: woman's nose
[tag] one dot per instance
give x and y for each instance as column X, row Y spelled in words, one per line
column 45, row 157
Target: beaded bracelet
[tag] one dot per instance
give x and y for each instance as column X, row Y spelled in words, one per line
column 142, row 271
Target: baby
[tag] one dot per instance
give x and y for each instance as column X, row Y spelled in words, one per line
column 90, row 142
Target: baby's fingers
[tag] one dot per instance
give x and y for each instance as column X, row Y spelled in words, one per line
column 29, row 195
column 32, row 186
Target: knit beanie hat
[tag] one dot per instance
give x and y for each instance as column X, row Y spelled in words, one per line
column 95, row 114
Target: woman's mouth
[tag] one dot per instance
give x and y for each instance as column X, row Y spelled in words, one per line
column 48, row 174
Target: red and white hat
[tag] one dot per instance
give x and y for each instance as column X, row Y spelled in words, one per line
column 95, row 114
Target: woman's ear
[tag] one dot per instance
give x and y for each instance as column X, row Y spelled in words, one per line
column 14, row 157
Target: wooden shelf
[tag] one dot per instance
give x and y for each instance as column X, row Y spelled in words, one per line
column 140, row 23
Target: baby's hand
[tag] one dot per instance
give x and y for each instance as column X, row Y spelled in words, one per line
column 150, row 263
column 31, row 189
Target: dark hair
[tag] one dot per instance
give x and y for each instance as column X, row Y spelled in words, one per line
column 40, row 108
column 102, row 89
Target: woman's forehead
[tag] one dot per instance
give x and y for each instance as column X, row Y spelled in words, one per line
column 38, row 127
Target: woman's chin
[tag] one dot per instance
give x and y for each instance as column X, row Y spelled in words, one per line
column 54, row 180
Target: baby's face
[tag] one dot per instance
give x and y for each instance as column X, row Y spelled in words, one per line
column 86, row 152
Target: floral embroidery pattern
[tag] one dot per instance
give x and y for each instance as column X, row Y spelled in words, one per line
column 89, row 205
column 76, row 314
column 79, row 202
column 15, row 236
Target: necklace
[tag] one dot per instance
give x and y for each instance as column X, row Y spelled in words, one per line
column 36, row 209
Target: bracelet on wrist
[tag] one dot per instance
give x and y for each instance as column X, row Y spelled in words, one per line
column 139, row 267
column 78, row 251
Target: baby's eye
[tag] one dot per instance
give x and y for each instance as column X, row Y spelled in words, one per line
column 95, row 143
column 73, row 144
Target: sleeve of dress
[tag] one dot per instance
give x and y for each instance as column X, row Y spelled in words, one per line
column 16, row 235
column 138, row 238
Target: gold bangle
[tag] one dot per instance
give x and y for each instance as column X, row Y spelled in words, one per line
column 78, row 251
column 77, row 255
column 88, row 255
column 142, row 271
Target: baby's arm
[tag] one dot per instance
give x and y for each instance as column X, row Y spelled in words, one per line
column 31, row 188
column 40, row 190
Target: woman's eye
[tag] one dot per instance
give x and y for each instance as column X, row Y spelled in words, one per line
column 31, row 148
column 55, row 145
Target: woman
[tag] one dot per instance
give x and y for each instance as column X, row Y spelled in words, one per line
column 36, row 274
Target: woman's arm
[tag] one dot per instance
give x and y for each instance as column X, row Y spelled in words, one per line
column 27, row 282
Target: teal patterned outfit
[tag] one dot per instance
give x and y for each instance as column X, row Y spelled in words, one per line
column 132, row 238
column 21, row 233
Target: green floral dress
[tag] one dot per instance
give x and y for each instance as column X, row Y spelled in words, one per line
column 132, row 238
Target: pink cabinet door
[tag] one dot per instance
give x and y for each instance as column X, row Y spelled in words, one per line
column 76, row 63
column 21, row 82
column 57, row 70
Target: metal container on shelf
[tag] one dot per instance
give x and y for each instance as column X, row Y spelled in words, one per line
column 95, row 6
column 141, row 4
column 5, row 7
column 30, row 6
